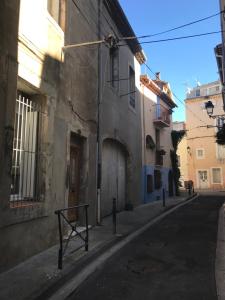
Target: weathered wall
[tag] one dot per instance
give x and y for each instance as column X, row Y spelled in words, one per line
column 67, row 85
column 80, row 90
column 29, row 229
column 9, row 14
column 119, row 120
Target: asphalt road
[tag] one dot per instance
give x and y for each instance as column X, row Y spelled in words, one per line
column 174, row 259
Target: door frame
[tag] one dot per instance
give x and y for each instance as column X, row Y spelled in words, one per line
column 76, row 145
column 197, row 177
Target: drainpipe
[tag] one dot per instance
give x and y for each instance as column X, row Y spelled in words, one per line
column 144, row 141
column 99, row 117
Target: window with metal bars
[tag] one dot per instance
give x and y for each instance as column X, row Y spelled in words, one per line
column 25, row 155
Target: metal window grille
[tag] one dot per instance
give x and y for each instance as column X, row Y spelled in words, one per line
column 25, row 155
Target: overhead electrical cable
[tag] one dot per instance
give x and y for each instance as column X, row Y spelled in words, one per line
column 176, row 38
column 172, row 29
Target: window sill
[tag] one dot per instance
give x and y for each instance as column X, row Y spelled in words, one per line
column 22, row 204
column 21, row 214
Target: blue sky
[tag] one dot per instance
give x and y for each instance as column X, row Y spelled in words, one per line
column 183, row 62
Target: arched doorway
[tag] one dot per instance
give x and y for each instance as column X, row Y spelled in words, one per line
column 170, row 183
column 113, row 176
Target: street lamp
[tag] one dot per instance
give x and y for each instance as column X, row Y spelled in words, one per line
column 209, row 108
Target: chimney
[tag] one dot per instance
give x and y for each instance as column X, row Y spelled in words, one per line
column 157, row 75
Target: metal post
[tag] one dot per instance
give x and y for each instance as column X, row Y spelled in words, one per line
column 189, row 188
column 87, row 233
column 164, row 198
column 60, row 242
column 114, row 215
column 98, row 141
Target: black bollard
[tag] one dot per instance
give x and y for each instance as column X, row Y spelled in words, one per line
column 114, row 215
column 164, row 198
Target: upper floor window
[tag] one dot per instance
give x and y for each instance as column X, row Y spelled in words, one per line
column 56, row 9
column 132, row 89
column 217, row 88
column 220, row 152
column 197, row 93
column 200, row 153
column 114, row 67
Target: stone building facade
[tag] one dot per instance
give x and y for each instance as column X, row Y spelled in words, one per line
column 205, row 158
column 75, row 113
column 157, row 104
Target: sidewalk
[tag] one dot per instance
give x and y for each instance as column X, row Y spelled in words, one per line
column 39, row 276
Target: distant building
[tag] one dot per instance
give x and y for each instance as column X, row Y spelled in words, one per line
column 220, row 51
column 182, row 153
column 206, row 159
column 156, row 109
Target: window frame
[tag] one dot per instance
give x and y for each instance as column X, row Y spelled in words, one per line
column 131, row 91
column 114, row 62
column 60, row 21
column 203, row 155
column 221, row 175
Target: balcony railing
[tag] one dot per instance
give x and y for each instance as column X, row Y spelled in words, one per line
column 162, row 116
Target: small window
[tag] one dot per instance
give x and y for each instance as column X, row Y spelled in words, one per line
column 178, row 161
column 114, row 67
column 197, row 93
column 220, row 121
column 220, row 151
column 132, row 89
column 200, row 153
column 216, row 175
column 56, row 9
column 149, row 184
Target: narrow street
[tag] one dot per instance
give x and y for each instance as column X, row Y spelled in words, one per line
column 174, row 259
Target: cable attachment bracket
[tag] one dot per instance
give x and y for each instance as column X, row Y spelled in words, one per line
column 111, row 41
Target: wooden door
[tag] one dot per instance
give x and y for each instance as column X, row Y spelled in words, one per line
column 74, row 182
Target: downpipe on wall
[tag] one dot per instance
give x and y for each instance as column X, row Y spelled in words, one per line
column 99, row 117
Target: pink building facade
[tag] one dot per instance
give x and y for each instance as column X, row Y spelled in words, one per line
column 205, row 158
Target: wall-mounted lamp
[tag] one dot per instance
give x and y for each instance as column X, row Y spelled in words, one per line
column 209, row 108
column 188, row 150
